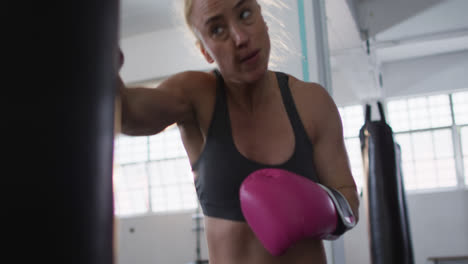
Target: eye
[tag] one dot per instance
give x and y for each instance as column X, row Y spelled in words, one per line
column 217, row 30
column 245, row 14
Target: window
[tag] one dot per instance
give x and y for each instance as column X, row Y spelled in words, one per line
column 419, row 113
column 425, row 128
column 464, row 140
column 152, row 174
column 353, row 119
column 427, row 159
column 460, row 109
column 432, row 132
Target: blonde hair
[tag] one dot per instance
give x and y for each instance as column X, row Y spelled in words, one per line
column 187, row 11
column 280, row 37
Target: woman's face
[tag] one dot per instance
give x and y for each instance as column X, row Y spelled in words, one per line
column 233, row 34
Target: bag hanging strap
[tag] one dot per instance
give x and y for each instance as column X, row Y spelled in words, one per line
column 381, row 111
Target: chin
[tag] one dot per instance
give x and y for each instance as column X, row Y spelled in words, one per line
column 256, row 74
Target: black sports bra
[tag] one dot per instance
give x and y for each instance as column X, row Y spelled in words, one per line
column 221, row 168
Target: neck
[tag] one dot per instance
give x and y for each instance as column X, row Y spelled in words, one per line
column 249, row 96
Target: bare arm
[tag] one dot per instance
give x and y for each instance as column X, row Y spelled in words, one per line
column 147, row 111
column 330, row 155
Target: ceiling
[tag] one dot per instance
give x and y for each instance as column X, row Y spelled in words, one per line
column 434, row 27
column 438, row 27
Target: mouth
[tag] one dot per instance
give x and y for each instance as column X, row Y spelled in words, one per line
column 250, row 56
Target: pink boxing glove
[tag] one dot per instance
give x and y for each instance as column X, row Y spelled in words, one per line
column 282, row 207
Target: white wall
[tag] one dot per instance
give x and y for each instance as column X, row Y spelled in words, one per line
column 438, row 222
column 163, row 238
column 355, row 80
column 159, row 54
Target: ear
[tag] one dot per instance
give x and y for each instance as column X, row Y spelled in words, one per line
column 205, row 53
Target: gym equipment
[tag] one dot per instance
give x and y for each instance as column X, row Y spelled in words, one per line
column 84, row 159
column 384, row 193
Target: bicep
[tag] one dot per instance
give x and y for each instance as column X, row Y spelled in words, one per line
column 330, row 155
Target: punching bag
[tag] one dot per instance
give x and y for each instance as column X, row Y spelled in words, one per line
column 384, row 194
column 87, row 107
column 58, row 120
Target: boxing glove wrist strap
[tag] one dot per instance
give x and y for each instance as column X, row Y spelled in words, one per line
column 346, row 218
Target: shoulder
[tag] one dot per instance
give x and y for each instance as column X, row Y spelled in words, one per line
column 191, row 80
column 193, row 86
column 312, row 94
column 195, row 75
column 315, row 105
column 199, row 88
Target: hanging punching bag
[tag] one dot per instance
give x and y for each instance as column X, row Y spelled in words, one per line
column 57, row 120
column 384, row 194
column 86, row 157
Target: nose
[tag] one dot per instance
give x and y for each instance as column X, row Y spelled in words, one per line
column 239, row 36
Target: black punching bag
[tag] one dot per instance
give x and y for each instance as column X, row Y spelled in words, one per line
column 88, row 130
column 57, row 130
column 389, row 231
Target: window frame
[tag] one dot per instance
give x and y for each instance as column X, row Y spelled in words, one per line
column 456, row 142
column 357, row 178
